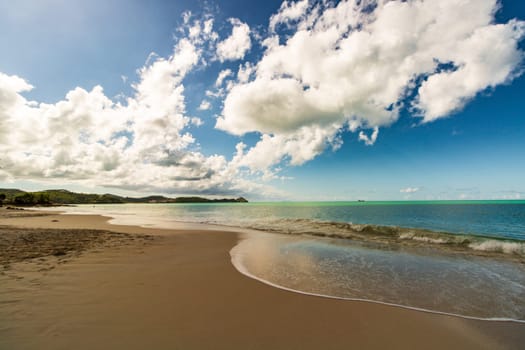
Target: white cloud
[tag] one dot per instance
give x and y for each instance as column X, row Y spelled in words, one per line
column 245, row 72
column 141, row 145
column 195, row 30
column 223, row 74
column 237, row 44
column 205, row 105
column 87, row 136
column 196, row 121
column 298, row 147
column 199, row 30
column 356, row 66
column 369, row 141
column 445, row 93
column 222, row 84
column 409, row 190
column 348, row 66
column 208, row 28
column 10, row 102
column 289, row 11
column 511, row 196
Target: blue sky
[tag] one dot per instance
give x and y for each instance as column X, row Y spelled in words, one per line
column 453, row 133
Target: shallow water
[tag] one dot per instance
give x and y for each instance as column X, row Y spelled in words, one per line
column 466, row 286
column 407, row 266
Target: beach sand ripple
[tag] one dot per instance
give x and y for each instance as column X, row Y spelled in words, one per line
column 35, row 245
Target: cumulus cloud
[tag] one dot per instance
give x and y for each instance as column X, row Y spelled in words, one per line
column 357, row 64
column 409, row 190
column 142, row 144
column 288, row 12
column 245, row 72
column 369, row 140
column 196, row 121
column 199, row 31
column 237, row 44
column 10, row 101
column 205, row 105
column 444, row 93
column 326, row 68
column 223, row 74
column 300, row 146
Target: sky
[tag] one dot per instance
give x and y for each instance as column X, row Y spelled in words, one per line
column 271, row 100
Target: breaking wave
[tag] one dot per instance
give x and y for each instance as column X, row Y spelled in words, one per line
column 400, row 236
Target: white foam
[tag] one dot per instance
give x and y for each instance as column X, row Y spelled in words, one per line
column 236, row 260
column 413, row 237
column 499, row 246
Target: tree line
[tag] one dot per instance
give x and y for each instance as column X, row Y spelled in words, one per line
column 27, row 198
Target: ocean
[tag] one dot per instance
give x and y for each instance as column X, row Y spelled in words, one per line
column 464, row 258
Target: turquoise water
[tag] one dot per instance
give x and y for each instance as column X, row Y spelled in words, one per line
column 498, row 219
column 464, row 257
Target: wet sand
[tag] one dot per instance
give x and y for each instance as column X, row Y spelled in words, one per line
column 166, row 289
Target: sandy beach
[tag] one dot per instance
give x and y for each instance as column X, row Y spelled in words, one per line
column 77, row 282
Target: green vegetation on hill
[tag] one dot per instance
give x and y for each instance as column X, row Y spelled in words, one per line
column 58, row 197
column 205, row 200
column 10, row 194
column 32, row 198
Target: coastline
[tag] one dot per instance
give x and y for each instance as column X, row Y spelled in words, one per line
column 180, row 290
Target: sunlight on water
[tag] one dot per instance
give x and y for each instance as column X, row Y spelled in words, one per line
column 473, row 287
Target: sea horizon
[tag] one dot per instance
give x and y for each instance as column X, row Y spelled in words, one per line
column 379, row 201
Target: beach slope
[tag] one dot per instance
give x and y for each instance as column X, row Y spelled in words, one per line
column 164, row 289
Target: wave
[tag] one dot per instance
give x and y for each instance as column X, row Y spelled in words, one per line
column 398, row 236
column 388, row 236
column 498, row 246
column 236, row 260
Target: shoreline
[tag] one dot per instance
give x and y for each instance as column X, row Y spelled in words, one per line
column 511, row 249
column 213, row 304
column 245, row 272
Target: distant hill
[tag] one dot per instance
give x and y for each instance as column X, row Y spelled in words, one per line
column 11, row 193
column 205, row 200
column 58, row 197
